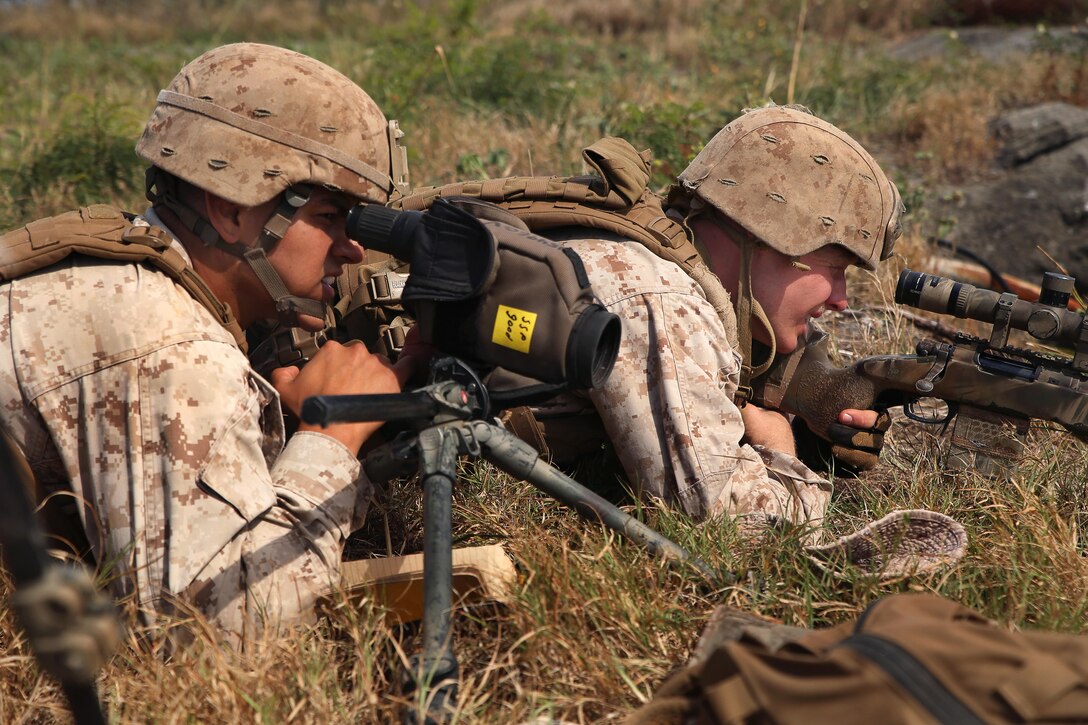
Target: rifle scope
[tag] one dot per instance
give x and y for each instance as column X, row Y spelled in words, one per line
column 1047, row 319
column 494, row 294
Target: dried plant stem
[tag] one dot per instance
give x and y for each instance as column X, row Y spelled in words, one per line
column 798, row 38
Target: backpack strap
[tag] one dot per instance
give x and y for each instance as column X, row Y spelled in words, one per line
column 105, row 232
column 368, row 306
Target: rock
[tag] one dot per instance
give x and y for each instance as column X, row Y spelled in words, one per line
column 1042, row 203
column 995, row 44
column 1027, row 132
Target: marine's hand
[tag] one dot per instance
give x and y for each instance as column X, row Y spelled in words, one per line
column 414, row 357
column 337, row 370
column 858, row 437
column 767, row 428
column 861, row 419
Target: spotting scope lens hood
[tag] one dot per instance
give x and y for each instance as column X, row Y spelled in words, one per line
column 593, row 346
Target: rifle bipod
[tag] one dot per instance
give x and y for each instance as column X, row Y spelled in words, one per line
column 442, row 413
column 71, row 627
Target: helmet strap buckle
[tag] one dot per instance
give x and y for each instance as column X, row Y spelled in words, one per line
column 293, row 199
column 288, row 306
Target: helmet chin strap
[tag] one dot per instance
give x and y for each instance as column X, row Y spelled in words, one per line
column 162, row 189
column 747, row 308
column 288, row 306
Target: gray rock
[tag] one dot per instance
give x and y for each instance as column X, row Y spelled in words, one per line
column 1040, row 204
column 1025, row 133
column 995, row 44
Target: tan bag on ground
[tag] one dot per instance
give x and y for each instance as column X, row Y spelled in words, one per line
column 909, row 658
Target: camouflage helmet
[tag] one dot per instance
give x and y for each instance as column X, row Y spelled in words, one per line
column 796, row 183
column 247, row 121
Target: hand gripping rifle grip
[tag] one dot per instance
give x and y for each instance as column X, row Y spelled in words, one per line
column 818, row 390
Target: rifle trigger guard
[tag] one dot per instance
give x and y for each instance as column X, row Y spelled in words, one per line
column 942, row 353
column 910, row 412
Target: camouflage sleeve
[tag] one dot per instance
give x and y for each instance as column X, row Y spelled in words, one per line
column 200, row 502
column 668, row 405
column 275, row 563
column 176, row 447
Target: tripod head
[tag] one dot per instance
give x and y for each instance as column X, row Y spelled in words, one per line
column 454, row 393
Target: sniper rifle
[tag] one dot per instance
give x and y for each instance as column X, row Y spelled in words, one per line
column 992, row 389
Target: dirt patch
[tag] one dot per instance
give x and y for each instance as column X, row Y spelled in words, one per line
column 1022, row 204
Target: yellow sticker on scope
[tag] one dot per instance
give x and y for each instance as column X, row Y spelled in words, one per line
column 514, row 328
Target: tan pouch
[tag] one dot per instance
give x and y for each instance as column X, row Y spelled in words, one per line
column 480, row 573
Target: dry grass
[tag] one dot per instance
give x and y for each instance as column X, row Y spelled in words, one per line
column 594, row 625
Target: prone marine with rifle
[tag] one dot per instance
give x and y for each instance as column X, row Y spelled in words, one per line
column 654, row 400
column 993, row 389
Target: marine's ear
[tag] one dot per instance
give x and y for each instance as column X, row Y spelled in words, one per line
column 226, row 217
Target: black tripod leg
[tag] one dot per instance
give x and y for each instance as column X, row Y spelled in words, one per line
column 519, row 459
column 435, row 672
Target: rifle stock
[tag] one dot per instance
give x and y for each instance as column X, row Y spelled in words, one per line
column 994, row 393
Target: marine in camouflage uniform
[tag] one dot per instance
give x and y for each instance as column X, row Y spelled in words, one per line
column 129, row 394
column 668, row 405
column 777, row 196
